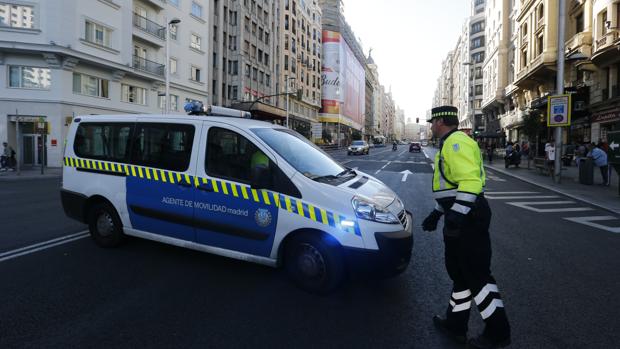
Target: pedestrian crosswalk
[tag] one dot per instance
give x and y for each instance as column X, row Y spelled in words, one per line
column 544, row 203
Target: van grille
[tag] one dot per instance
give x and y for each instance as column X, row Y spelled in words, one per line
column 402, row 217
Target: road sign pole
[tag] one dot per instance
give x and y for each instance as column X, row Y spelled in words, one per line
column 560, row 89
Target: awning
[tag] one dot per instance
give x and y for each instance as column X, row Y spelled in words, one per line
column 261, row 111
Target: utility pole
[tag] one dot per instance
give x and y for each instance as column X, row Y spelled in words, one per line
column 560, row 87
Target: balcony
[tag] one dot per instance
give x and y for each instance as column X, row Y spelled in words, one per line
column 605, row 48
column 145, row 65
column 149, row 26
column 157, row 3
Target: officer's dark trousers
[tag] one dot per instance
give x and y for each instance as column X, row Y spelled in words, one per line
column 468, row 260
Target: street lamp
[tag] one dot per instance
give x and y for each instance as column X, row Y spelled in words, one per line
column 286, row 83
column 167, row 97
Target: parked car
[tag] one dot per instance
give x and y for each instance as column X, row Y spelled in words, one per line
column 358, row 147
column 415, row 147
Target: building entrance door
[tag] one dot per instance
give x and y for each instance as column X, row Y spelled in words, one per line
column 32, row 145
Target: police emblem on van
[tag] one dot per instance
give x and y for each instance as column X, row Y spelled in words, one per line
column 262, row 217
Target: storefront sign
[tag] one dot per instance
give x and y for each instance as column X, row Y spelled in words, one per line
column 54, row 142
column 608, row 116
column 558, row 110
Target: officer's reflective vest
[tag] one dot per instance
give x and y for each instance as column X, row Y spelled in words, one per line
column 459, row 170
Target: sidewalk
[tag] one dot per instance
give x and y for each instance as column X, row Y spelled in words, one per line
column 605, row 197
column 30, row 173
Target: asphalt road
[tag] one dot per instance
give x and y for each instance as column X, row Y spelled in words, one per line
column 559, row 280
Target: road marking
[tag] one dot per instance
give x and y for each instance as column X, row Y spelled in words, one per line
column 405, row 174
column 490, row 197
column 589, row 221
column 42, row 246
column 488, row 192
column 433, row 167
column 384, row 166
column 529, row 206
column 494, row 177
column 404, row 151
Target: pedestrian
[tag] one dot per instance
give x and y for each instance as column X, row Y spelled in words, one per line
column 490, row 152
column 525, row 149
column 458, row 185
column 600, row 160
column 580, row 153
column 550, row 157
column 7, row 160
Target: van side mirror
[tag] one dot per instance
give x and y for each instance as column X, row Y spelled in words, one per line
column 261, row 177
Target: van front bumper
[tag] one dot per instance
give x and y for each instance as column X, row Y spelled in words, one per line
column 391, row 259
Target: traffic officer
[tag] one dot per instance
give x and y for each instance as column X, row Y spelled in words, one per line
column 458, row 188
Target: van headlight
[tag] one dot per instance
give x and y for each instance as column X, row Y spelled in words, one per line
column 365, row 209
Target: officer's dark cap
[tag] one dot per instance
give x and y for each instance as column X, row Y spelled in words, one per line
column 446, row 112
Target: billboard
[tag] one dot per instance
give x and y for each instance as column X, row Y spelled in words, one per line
column 343, row 81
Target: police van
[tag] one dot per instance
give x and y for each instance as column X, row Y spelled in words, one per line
column 234, row 187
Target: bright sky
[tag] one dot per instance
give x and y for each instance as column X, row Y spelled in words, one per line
column 409, row 40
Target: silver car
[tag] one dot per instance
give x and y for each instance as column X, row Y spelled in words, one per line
column 358, row 147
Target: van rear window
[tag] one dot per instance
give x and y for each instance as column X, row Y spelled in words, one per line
column 103, row 141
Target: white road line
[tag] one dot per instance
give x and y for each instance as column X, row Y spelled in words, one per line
column 530, row 206
column 42, row 246
column 404, row 151
column 490, row 192
column 384, row 166
column 433, row 167
column 589, row 221
column 491, row 197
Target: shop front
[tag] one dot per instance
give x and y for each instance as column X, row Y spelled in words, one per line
column 604, row 122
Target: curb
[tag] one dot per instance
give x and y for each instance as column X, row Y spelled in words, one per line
column 553, row 189
column 28, row 177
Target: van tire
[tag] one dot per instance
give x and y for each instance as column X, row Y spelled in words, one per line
column 313, row 264
column 105, row 226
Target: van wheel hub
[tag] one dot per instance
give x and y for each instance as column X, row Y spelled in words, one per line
column 311, row 262
column 105, row 224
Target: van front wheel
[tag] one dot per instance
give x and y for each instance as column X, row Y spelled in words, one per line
column 105, row 226
column 314, row 264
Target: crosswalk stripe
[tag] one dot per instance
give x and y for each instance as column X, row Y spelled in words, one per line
column 529, row 205
column 490, row 197
column 589, row 222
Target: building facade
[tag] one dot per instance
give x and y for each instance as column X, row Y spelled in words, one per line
column 94, row 57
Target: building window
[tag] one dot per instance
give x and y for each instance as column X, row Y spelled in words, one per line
column 235, row 68
column 266, row 59
column 235, row 92
column 174, row 2
column 173, row 66
column 247, row 70
column 261, row 77
column 16, row 16
column 478, row 57
column 90, row 86
column 478, row 90
column 477, row 27
column 604, row 22
column 133, row 94
column 540, row 12
column 254, row 74
column 196, row 42
column 195, row 74
column 268, row 79
column 266, row 38
column 174, row 102
column 285, row 62
column 539, row 44
column 579, row 23
column 477, row 42
column 523, row 58
column 173, row 31
column 196, row 10
column 97, row 34
column 30, row 77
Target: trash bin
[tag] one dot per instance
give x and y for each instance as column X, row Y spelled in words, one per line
column 586, row 171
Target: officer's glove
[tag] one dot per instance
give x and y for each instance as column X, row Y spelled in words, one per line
column 430, row 222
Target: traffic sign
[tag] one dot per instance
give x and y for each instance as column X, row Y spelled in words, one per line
column 558, row 110
column 613, row 139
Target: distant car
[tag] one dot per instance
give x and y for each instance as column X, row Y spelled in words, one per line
column 415, row 147
column 424, row 143
column 358, row 147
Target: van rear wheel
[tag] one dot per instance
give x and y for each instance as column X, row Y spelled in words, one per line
column 314, row 264
column 105, row 226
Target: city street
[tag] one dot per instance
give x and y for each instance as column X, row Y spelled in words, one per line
column 557, row 272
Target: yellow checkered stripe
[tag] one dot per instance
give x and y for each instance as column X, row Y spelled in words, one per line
column 445, row 113
column 235, row 190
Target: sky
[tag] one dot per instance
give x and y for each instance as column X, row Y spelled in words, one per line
column 409, row 40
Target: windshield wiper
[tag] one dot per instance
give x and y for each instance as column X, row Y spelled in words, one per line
column 324, row 178
column 348, row 170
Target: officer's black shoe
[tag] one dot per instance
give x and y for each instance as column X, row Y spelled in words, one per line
column 442, row 325
column 484, row 342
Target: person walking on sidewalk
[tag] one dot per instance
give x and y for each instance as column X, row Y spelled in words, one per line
column 458, row 185
column 489, row 150
column 550, row 157
column 600, row 160
column 8, row 157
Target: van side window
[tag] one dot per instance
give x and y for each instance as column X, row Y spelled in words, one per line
column 103, row 141
column 231, row 156
column 162, row 145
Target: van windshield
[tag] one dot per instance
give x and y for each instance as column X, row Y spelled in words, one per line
column 300, row 153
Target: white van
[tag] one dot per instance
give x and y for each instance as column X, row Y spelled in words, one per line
column 235, row 187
